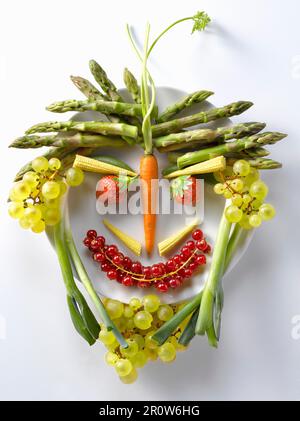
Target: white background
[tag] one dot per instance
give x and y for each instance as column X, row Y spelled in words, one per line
column 250, row 52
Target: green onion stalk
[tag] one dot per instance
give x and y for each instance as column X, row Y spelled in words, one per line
column 82, row 317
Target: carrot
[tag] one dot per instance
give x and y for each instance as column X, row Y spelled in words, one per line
column 149, row 190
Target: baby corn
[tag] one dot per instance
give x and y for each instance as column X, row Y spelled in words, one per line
column 169, row 243
column 212, row 165
column 93, row 165
column 129, row 242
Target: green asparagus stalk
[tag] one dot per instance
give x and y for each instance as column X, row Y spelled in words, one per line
column 187, row 101
column 246, row 154
column 83, row 319
column 68, row 139
column 106, row 84
column 178, row 124
column 101, row 127
column 105, row 107
column 259, row 163
column 238, row 145
column 86, row 282
column 206, row 136
column 88, row 89
column 213, row 289
column 132, row 86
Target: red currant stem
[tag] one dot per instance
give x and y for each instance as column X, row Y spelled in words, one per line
column 166, row 275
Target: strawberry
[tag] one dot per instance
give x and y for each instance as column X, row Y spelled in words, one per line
column 112, row 188
column 185, row 190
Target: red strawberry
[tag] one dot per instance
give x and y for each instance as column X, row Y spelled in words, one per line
column 185, row 190
column 112, row 188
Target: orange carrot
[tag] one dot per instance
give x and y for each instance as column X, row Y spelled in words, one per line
column 149, row 191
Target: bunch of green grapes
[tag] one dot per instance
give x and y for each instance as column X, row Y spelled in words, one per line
column 35, row 200
column 138, row 321
column 241, row 184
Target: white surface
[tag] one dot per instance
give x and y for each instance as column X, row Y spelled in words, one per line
column 250, row 52
column 81, row 208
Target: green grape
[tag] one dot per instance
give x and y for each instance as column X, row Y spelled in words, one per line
column 20, row 191
column 74, row 177
column 130, row 378
column 165, row 312
column 151, row 354
column 244, row 222
column 54, row 164
column 135, row 304
column 219, row 188
column 247, row 199
column 255, row 220
column 139, row 340
column 149, row 342
column 139, row 359
column 115, row 308
column 241, row 167
column 143, row 320
column 31, row 178
column 111, row 358
column 151, row 303
column 256, row 204
column 62, row 187
column 251, row 177
column 258, row 190
column 128, row 312
column 32, row 214
column 40, row 164
column 113, row 346
column 237, row 200
column 38, row 227
column 52, row 216
column 123, row 367
column 233, row 214
column 106, row 337
column 130, row 324
column 50, row 190
column 237, row 184
column 52, row 203
column 16, row 210
column 167, row 352
column 227, row 194
column 131, row 350
column 24, row 223
column 267, row 211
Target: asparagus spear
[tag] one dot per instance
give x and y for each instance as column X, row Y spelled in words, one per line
column 87, row 88
column 178, row 124
column 101, row 127
column 235, row 146
column 105, row 107
column 187, row 101
column 259, row 163
column 68, row 139
column 206, row 136
column 66, row 155
column 106, row 84
column 132, row 86
column 246, row 154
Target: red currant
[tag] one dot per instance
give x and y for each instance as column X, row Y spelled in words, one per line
column 95, row 245
column 117, row 259
column 162, row 287
column 99, row 257
column 120, row 276
column 191, row 245
column 143, row 284
column 201, row 245
column 127, row 281
column 197, row 235
column 188, row 272
column 91, row 234
column 127, row 262
column 186, row 252
column 162, row 268
column 112, row 274
column 156, row 271
column 105, row 267
column 170, row 265
column 208, row 249
column 87, row 241
column 174, row 283
column 200, row 259
column 177, row 259
column 147, row 272
column 112, row 251
column 136, row 267
column 193, row 266
column 101, row 240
